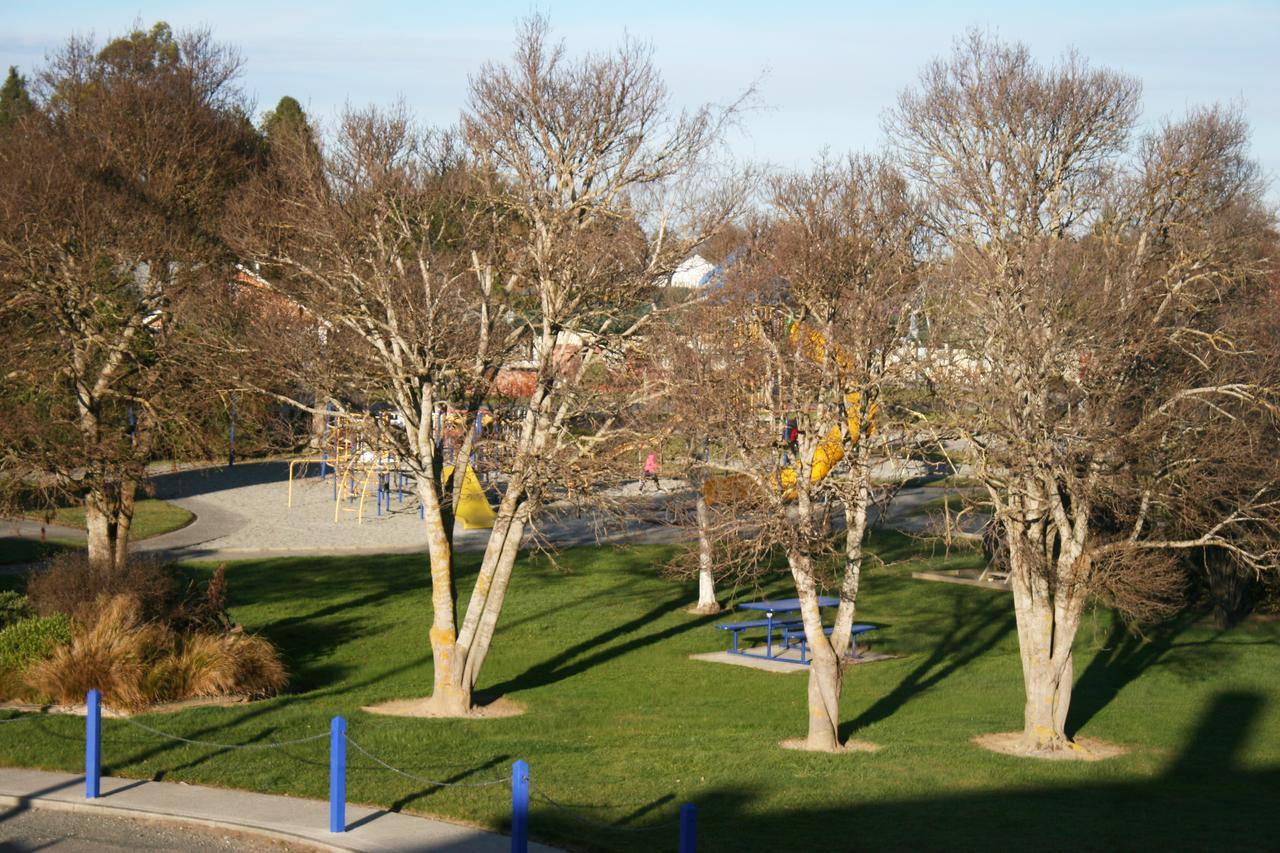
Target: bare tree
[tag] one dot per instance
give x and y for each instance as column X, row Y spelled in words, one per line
column 811, row 335
column 428, row 266
column 382, row 246
column 1104, row 372
column 108, row 262
column 612, row 189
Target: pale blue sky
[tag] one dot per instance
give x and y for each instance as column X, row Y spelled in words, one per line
column 827, row 70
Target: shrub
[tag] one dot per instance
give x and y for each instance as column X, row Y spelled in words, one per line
column 135, row 664
column 14, row 608
column 233, row 664
column 204, row 609
column 112, row 654
column 73, row 586
column 32, row 639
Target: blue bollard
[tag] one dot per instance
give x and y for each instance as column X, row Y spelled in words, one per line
column 688, row 828
column 338, row 775
column 520, row 807
column 93, row 745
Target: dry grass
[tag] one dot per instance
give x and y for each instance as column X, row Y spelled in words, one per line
column 135, row 663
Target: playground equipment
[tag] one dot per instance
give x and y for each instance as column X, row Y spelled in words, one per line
column 474, row 510
column 828, row 453
column 354, row 452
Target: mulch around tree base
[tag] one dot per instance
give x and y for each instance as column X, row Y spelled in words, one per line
column 484, row 709
column 1081, row 749
column 849, row 746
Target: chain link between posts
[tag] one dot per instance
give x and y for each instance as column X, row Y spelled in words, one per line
column 216, row 745
column 598, row 824
column 367, row 754
column 535, row 793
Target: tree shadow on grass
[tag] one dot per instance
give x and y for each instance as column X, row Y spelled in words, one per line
column 149, row 745
column 1205, row 799
column 974, row 630
column 1126, row 655
column 596, row 650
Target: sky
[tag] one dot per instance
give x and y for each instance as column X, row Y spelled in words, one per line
column 825, row 71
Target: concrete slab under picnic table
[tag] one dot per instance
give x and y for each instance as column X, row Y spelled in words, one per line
column 784, row 661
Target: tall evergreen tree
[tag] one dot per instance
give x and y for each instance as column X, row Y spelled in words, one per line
column 14, row 99
column 287, row 117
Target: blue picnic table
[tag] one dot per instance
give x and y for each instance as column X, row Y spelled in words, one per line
column 775, row 619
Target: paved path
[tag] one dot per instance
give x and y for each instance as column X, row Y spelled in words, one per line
column 25, row 529
column 26, row 830
column 244, row 512
column 299, row 824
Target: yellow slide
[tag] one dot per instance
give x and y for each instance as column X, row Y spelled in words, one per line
column 473, row 507
column 825, row 457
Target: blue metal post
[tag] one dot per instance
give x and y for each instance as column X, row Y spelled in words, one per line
column 520, row 807
column 338, row 775
column 93, row 745
column 231, row 444
column 688, row 828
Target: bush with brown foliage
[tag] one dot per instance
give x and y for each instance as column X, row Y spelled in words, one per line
column 72, row 585
column 135, row 663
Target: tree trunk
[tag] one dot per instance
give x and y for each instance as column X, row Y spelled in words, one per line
column 824, row 699
column 100, row 527
column 504, row 547
column 706, row 578
column 1047, row 626
column 448, row 695
column 855, row 517
column 824, row 666
column 124, row 520
column 108, row 516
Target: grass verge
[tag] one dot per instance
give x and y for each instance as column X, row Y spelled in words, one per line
column 150, row 518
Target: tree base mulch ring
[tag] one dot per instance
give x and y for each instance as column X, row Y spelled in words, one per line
column 1080, row 749
column 849, row 746
column 495, row 708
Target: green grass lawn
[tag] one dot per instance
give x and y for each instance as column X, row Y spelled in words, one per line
column 623, row 727
column 150, row 518
column 15, row 549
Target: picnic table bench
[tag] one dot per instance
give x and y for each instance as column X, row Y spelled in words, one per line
column 790, row 634
column 738, row 627
column 790, row 629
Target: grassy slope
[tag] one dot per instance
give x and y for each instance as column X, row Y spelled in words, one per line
column 621, row 724
column 150, row 518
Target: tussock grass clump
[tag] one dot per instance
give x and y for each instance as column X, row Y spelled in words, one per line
column 135, row 663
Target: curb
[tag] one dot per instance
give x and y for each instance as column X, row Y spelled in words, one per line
column 90, row 807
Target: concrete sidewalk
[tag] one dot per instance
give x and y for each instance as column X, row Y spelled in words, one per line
column 287, row 819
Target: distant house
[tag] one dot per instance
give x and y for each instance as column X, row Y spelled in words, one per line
column 694, row 271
